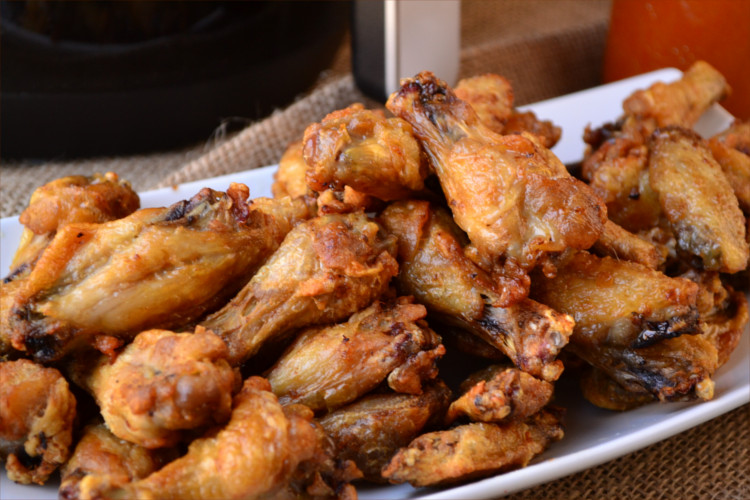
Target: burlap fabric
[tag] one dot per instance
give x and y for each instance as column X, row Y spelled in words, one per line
column 546, row 48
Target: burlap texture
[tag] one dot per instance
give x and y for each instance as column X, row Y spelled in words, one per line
column 546, row 48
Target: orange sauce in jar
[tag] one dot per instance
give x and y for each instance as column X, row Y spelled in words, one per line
column 645, row 35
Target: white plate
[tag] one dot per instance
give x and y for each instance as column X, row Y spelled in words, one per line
column 592, row 435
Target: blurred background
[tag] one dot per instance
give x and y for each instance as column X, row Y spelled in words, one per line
column 88, row 78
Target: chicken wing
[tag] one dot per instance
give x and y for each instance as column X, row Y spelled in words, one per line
column 387, row 340
column 69, row 200
column 697, row 200
column 731, row 149
column 162, row 385
column 682, row 102
column 371, row 430
column 434, row 269
column 491, row 96
column 161, row 267
column 603, row 391
column 264, row 451
column 37, row 414
column 363, row 149
column 636, row 324
column 101, row 461
column 620, row 243
column 498, row 393
column 289, row 179
column 512, row 196
column 474, row 450
column 326, row 269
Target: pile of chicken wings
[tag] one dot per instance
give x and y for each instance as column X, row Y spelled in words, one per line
column 399, row 311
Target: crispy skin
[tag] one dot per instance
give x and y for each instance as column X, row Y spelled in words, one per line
column 289, row 179
column 601, row 390
column 620, row 243
column 473, row 450
column 363, row 149
column 326, row 269
column 697, row 200
column 511, row 195
column 387, row 340
column 37, row 414
column 102, row 461
column 435, row 270
column 162, row 385
column 724, row 312
column 731, row 149
column 264, row 451
column 157, row 268
column 69, row 200
column 491, row 96
column 371, row 430
column 498, row 393
column 634, row 323
column 681, row 102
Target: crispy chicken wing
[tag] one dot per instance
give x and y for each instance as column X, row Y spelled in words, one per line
column 697, row 200
column 636, row 324
column 682, row 102
column 289, row 179
column 37, row 414
column 371, row 430
column 491, row 96
column 326, row 269
column 387, row 340
column 731, row 149
column 473, row 450
column 363, row 149
column 162, row 385
column 603, row 391
column 498, row 393
column 264, row 451
column 161, row 267
column 69, row 200
column 511, row 195
column 102, row 461
column 434, row 269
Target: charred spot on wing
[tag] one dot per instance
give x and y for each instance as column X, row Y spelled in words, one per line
column 16, row 272
column 176, row 211
column 40, row 346
column 656, row 331
column 29, row 462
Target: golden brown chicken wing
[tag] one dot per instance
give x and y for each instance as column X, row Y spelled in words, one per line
column 370, row 430
column 636, row 324
column 682, row 102
column 37, row 414
column 161, row 267
column 473, row 450
column 163, row 385
column 102, row 461
column 363, row 149
column 387, row 340
column 697, row 200
column 289, row 179
column 435, row 270
column 326, row 269
column 731, row 149
column 512, row 196
column 264, row 451
column 498, row 393
column 69, row 200
column 491, row 96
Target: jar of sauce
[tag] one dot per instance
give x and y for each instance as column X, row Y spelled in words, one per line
column 645, row 35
